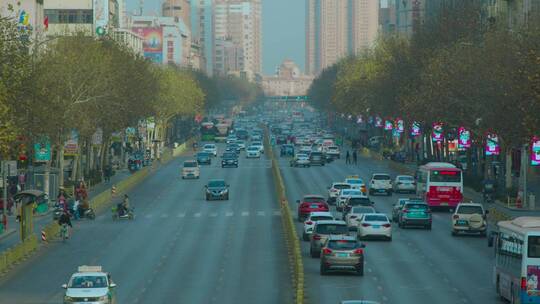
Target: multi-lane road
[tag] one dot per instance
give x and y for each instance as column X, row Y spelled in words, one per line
column 418, row 266
column 179, row 249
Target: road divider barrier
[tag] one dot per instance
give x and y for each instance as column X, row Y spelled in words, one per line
column 291, row 238
column 18, row 253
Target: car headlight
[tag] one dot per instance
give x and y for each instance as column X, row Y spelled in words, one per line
column 68, row 299
column 103, row 298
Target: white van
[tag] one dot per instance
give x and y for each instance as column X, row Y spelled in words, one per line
column 190, row 169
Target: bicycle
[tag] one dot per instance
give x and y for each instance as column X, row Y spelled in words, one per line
column 63, row 233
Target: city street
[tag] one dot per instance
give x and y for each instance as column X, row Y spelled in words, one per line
column 418, row 266
column 179, row 248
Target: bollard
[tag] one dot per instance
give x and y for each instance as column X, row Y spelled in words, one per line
column 113, row 191
column 43, row 236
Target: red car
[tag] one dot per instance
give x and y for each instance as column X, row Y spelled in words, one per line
column 311, row 203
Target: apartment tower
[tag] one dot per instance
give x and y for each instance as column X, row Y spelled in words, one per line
column 337, row 28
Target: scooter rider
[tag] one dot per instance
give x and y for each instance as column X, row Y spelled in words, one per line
column 65, row 219
column 123, row 207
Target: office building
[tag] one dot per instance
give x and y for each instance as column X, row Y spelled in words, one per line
column 288, row 81
column 335, row 29
column 202, row 31
column 179, row 9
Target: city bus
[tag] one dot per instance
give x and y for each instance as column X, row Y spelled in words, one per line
column 440, row 185
column 517, row 259
column 208, row 131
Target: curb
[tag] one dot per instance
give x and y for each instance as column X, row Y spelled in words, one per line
column 7, row 233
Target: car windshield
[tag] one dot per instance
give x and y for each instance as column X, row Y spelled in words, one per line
column 361, row 210
column 375, row 218
column 350, row 192
column 88, row 282
column 313, row 199
column 342, row 186
column 332, row 229
column 381, row 177
column 406, row 179
column 209, row 147
column 469, row 210
column 229, row 155
column 253, row 149
column 321, row 218
column 343, row 244
column 355, row 201
column 190, row 164
column 216, row 184
column 203, row 154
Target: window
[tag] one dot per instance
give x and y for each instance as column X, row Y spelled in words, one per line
column 66, row 16
column 509, row 253
column 533, row 246
column 441, row 176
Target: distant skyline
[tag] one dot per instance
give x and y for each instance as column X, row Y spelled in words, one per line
column 283, row 30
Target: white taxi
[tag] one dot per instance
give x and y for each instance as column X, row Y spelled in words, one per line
column 90, row 285
column 356, row 183
column 191, row 169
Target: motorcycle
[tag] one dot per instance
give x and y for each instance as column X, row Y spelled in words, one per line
column 88, row 213
column 127, row 215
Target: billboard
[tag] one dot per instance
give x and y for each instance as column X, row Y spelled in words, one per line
column 492, row 144
column 415, row 129
column 464, row 138
column 399, row 125
column 152, row 42
column 388, row 125
column 71, row 146
column 437, row 135
column 101, row 13
column 535, row 151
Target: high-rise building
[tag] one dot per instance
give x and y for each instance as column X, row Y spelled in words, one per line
column 202, row 31
column 335, row 29
column 239, row 21
column 229, row 57
column 180, row 9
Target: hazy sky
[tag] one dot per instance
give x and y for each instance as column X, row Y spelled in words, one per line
column 283, row 30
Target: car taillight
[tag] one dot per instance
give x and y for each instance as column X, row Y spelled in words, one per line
column 523, row 283
column 387, row 225
column 455, row 217
column 309, row 223
column 359, row 251
column 366, row 225
column 405, row 211
column 316, row 237
column 326, row 251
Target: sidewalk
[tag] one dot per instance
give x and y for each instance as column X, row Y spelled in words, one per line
column 12, row 237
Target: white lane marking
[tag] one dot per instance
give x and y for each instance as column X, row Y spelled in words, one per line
column 148, row 216
column 198, row 214
column 260, row 213
column 164, row 216
column 181, row 214
column 228, row 213
column 213, row 214
column 245, row 213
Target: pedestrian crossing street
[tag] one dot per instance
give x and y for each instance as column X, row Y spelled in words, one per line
column 198, row 215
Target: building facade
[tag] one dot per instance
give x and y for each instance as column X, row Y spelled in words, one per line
column 179, row 9
column 202, row 30
column 229, row 57
column 335, row 29
column 165, row 40
column 288, row 81
column 239, row 21
column 30, row 14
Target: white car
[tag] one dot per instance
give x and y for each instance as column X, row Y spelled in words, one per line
column 231, row 139
column 191, row 169
column 343, row 196
column 353, row 217
column 313, row 217
column 90, row 282
column 333, row 151
column 333, row 191
column 404, row 183
column 253, row 152
column 210, row 148
column 380, row 183
column 258, row 144
column 374, row 225
column 241, row 144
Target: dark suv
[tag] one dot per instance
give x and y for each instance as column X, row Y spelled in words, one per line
column 317, row 158
column 229, row 159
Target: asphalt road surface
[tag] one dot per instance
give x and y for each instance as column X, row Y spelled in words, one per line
column 179, row 248
column 418, row 266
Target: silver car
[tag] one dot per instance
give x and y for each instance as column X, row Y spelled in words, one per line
column 90, row 285
column 321, row 232
column 342, row 253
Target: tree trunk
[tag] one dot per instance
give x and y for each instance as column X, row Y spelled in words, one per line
column 61, row 165
column 508, row 169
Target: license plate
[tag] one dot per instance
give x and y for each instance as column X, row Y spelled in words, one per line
column 314, row 206
column 444, row 204
column 343, row 255
column 376, row 226
column 381, row 190
column 462, row 222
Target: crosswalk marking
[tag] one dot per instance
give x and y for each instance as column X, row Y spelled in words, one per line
column 213, row 214
column 164, row 216
column 229, row 213
column 260, row 213
column 198, row 214
column 245, row 213
column 148, row 216
column 181, row 214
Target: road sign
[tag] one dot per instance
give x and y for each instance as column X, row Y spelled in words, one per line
column 11, row 167
column 42, row 151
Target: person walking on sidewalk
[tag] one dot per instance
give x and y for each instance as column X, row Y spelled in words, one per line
column 348, row 158
column 355, row 157
column 107, row 173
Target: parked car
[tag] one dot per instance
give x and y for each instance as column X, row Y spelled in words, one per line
column 374, row 225
column 342, row 253
column 322, row 231
column 310, row 203
column 469, row 218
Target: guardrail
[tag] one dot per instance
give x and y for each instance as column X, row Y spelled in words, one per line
column 291, row 238
column 18, row 253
